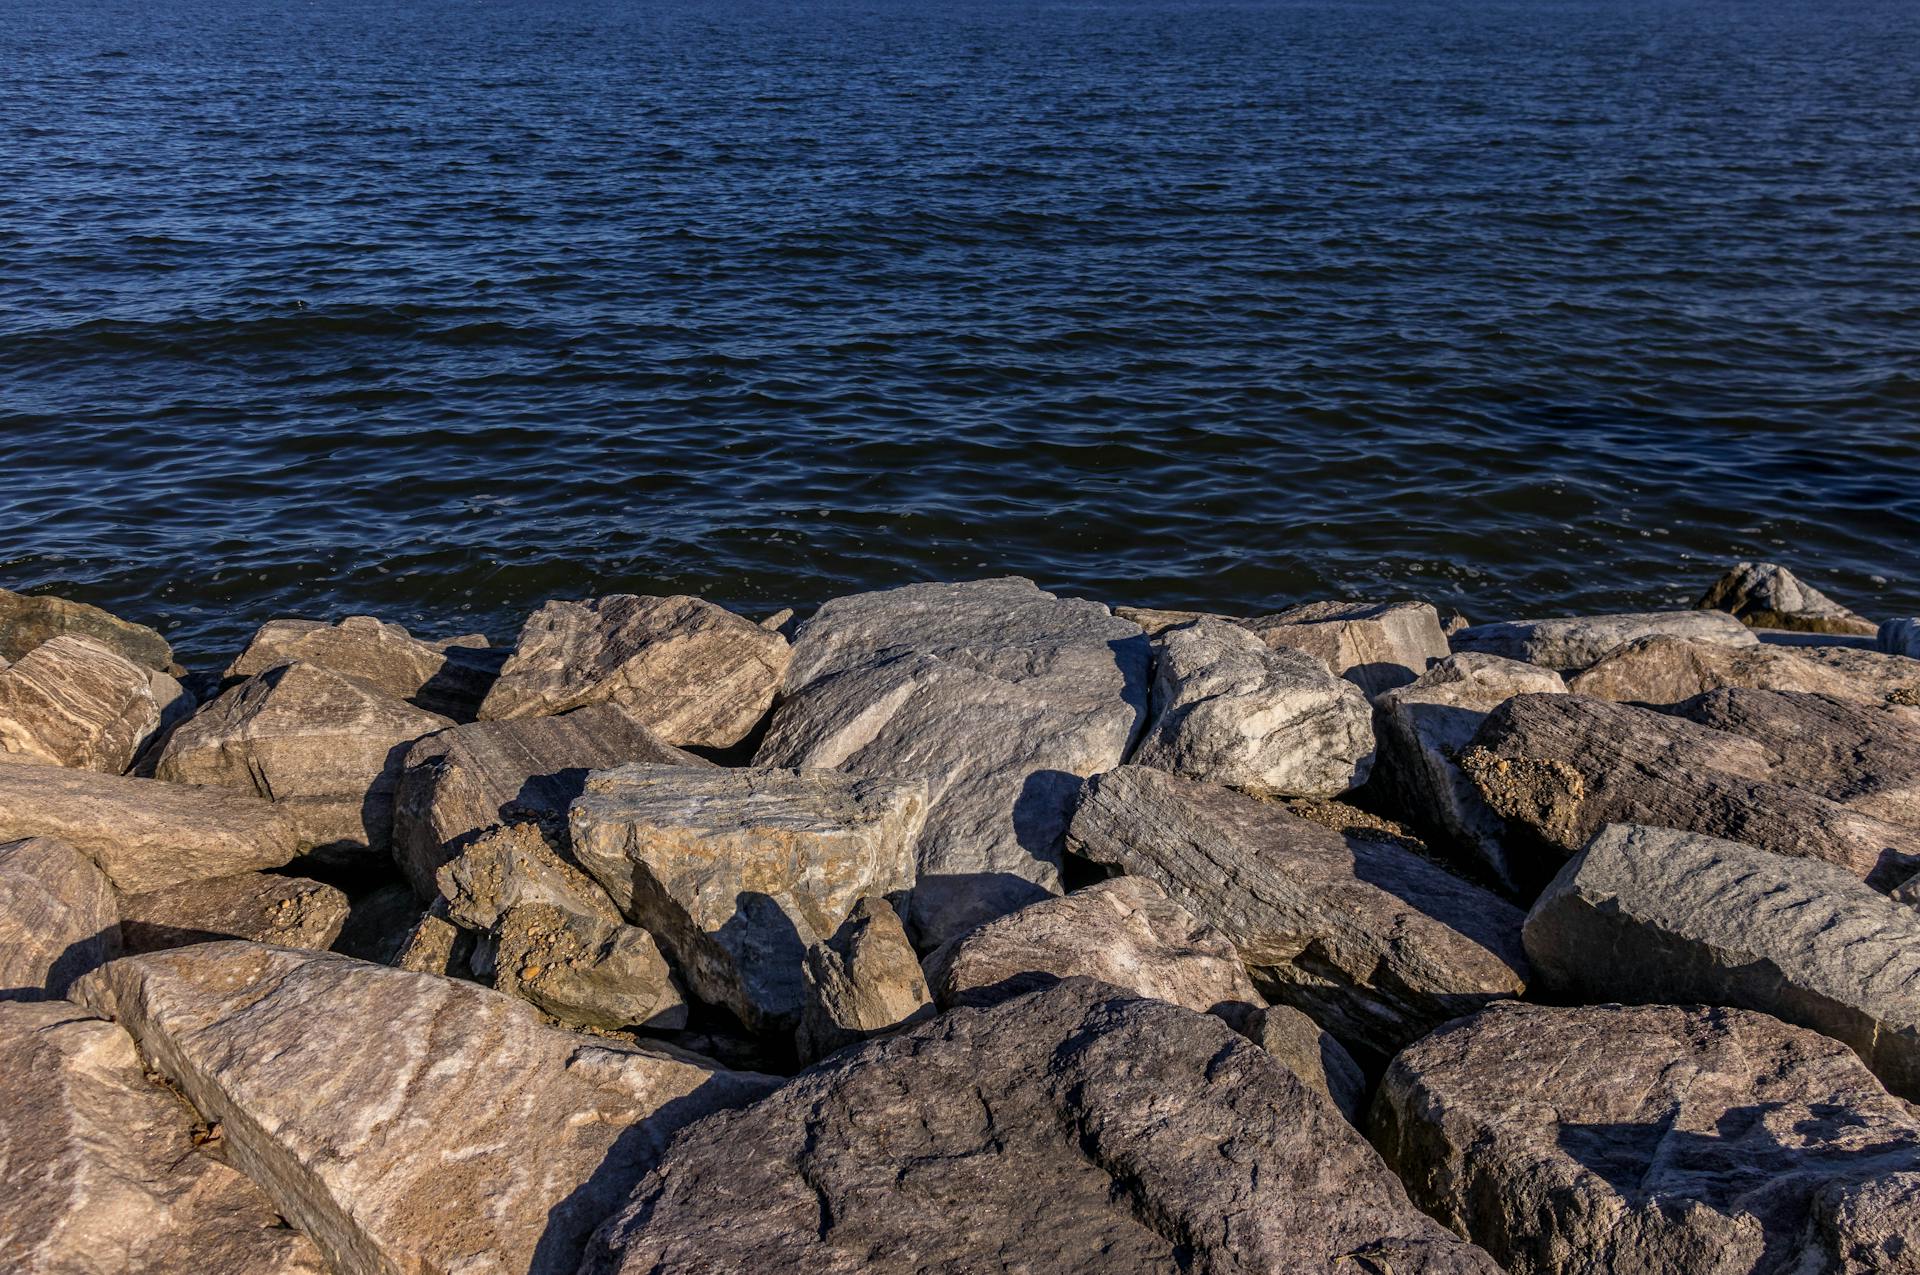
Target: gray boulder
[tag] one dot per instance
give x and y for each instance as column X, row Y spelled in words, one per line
column 1764, row 596
column 864, row 980
column 58, row 919
column 261, row 906
column 1376, row 646
column 1579, row 642
column 73, row 702
column 449, row 677
column 26, row 622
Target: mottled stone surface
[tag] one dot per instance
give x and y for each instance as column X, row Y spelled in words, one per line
column 1375, row 645
column 516, row 864
column 262, row 906
column 1309, row 1052
column 435, row 945
column 1649, row 914
column 73, row 702
column 99, row 1174
column 1375, row 943
column 1765, row 596
column 864, row 980
column 58, row 918
column 1229, row 710
column 449, row 677
column 26, row 622
column 737, row 872
column 692, row 672
column 1073, row 1130
column 1894, row 679
column 1666, row 670
column 1577, row 642
column 583, row 969
column 1661, row 1139
column 407, row 1122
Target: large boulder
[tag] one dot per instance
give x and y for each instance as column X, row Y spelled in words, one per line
column 144, row 834
column 1377, row 944
column 1577, row 642
column 1666, row 670
column 864, row 980
column 73, row 702
column 99, row 1171
column 999, row 695
column 407, row 1122
column 692, row 672
column 1073, row 1130
column 261, row 906
column 449, row 677
column 1765, row 596
column 1376, row 646
column 325, row 747
column 26, row 622
column 1272, row 722
column 58, row 918
column 738, row 872
column 1665, row 1140
column 1870, row 675
column 1649, row 914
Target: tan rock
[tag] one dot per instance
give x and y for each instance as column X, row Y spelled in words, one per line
column 58, row 919
column 1764, row 596
column 26, row 622
column 1572, row 643
column 436, row 945
column 1376, row 646
column 1308, row 1052
column 1871, row 674
column 1666, row 670
column 261, row 906
column 864, row 980
column 450, row 677
column 73, row 702
column 516, row 864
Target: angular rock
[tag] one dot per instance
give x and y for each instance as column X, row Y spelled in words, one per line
column 1376, row 646
column 864, row 980
column 1155, row 621
column 26, row 622
column 1665, row 1139
column 449, row 677
column 1375, row 943
column 996, row 693
column 738, row 872
column 1271, row 722
column 436, row 945
column 58, row 919
column 1666, row 670
column 1901, row 637
column 263, row 907
column 1072, row 1130
column 403, row 1121
column 584, row 970
column 99, row 1173
column 1309, row 1053
column 73, row 702
column 1870, row 675
column 1125, row 932
column 514, row 865
column 460, row 782
column 1764, row 596
column 324, row 747
column 144, row 835
column 692, row 672
column 1579, row 642
column 1423, row 727
column 1649, row 914
column 1558, row 768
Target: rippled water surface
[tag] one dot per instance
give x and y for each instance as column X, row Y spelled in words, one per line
column 440, row 309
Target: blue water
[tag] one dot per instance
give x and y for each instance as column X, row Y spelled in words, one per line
column 436, row 310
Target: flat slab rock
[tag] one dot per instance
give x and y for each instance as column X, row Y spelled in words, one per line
column 448, row 677
column 73, row 702
column 1073, row 1130
column 1667, row 670
column 1662, row 1140
column 1763, row 595
column 1374, row 645
column 260, row 906
column 27, row 621
column 59, row 918
column 405, row 1121
column 99, row 1174
column 1573, row 643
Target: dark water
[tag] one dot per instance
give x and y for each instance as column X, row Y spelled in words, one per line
column 439, row 309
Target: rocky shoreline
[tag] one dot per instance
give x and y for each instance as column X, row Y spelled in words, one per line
column 963, row 927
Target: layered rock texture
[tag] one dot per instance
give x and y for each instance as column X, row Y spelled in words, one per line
column 449, row 677
column 26, row 622
column 59, row 918
column 863, row 981
column 1573, row 643
column 1376, row 646
column 73, row 702
column 263, row 907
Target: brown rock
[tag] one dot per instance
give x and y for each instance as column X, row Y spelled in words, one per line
column 1573, row 643
column 864, row 980
column 1870, row 674
column 1376, row 646
column 1666, row 670
column 584, row 970
column 1764, row 596
column 449, row 677
column 26, row 622
column 1308, row 1052
column 58, row 919
column 436, row 945
column 287, row 911
column 73, row 702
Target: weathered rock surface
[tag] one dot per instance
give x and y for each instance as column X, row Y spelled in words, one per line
column 407, row 1122
column 584, row 970
column 1764, row 596
column 450, row 677
column 1271, row 722
column 1073, row 1130
column 325, row 747
column 1579, row 642
column 1154, row 620
column 1666, row 670
column 435, row 945
column 1125, row 932
column 1423, row 727
column 999, row 695
column 261, row 906
column 1901, row 637
column 1870, row 675
column 1375, row 943
column 460, row 782
column 1558, row 768
column 738, row 872
column 99, row 1174
column 864, row 980
column 1309, row 1052
column 1664, row 1139
column 692, row 672
column 58, row 919
column 73, row 702
column 1376, row 646
column 1649, row 914
column 144, row 835
column 26, row 622
column 513, row 865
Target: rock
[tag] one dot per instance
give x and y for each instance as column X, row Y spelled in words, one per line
column 1869, row 674
column 407, row 1122
column 1650, row 914
column 1665, row 1139
column 73, row 702
column 1072, row 1130
column 1309, row 1053
column 460, row 782
column 737, row 872
column 1375, row 943
column 863, row 981
column 692, row 672
column 1155, row 622
column 1579, row 642
column 1764, row 596
column 100, row 1173
column 324, row 747
column 584, row 970
column 1423, row 727
column 58, row 919
column 1125, row 932
column 1376, row 646
column 144, row 835
column 1666, row 670
column 449, row 678
column 436, row 945
column 1558, row 768
column 996, row 693
column 1272, row 722
column 516, row 864
column 26, row 622
column 1901, row 637
column 288, row 911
